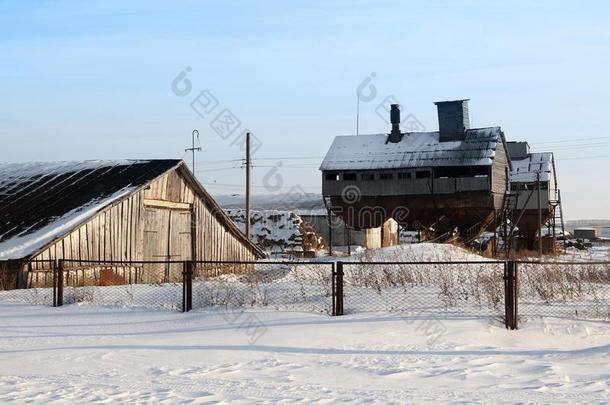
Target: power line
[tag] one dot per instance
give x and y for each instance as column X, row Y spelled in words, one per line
column 581, row 146
column 218, row 169
column 585, row 157
column 253, row 186
column 571, row 140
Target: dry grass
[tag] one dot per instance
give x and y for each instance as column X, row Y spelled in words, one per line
column 562, row 282
column 481, row 284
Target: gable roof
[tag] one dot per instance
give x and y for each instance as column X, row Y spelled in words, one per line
column 525, row 170
column 42, row 202
column 415, row 149
column 219, row 213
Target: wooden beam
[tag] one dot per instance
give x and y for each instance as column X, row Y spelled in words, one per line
column 148, row 202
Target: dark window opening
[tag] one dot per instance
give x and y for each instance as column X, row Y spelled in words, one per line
column 332, row 177
column 422, row 175
column 349, row 176
column 386, row 176
column 404, row 175
column 368, row 176
column 461, row 171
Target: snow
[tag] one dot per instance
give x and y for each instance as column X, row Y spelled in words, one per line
column 278, row 231
column 525, row 170
column 426, row 252
column 77, row 354
column 222, row 354
column 597, row 253
column 29, row 242
column 420, row 149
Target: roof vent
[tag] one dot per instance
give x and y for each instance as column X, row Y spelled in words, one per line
column 395, row 135
column 518, row 150
column 453, row 120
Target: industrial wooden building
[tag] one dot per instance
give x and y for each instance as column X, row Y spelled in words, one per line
column 535, row 202
column 447, row 182
column 132, row 210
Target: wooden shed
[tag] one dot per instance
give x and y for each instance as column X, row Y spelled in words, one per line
column 129, row 210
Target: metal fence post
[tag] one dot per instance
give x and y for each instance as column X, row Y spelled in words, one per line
column 187, row 286
column 60, row 283
column 339, row 289
column 184, row 271
column 54, row 283
column 333, row 274
column 510, row 298
column 515, row 295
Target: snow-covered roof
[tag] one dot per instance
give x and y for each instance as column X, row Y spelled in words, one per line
column 416, row 149
column 525, row 170
column 40, row 202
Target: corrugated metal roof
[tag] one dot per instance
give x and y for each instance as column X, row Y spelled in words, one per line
column 525, row 170
column 417, row 149
column 42, row 201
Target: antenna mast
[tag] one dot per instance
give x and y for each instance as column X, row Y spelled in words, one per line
column 357, row 114
column 194, row 148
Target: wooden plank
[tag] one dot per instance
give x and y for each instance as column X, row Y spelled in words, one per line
column 103, row 237
column 167, row 204
column 173, row 186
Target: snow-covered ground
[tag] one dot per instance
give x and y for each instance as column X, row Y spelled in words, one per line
column 599, row 252
column 426, row 252
column 75, row 354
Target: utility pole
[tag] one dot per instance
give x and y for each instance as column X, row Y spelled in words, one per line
column 248, row 165
column 194, row 148
column 539, row 215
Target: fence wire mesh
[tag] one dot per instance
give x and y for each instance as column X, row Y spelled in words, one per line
column 292, row 286
column 40, row 293
column 430, row 288
column 31, row 296
column 130, row 284
column 570, row 290
column 41, row 273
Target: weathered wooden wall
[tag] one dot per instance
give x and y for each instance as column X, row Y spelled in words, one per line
column 500, row 171
column 214, row 241
column 118, row 232
column 8, row 275
column 114, row 234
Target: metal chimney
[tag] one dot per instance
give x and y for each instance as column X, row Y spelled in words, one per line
column 453, row 120
column 395, row 135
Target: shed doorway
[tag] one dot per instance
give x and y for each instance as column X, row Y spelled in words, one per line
column 167, row 237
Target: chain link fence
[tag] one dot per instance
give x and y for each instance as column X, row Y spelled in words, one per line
column 514, row 290
column 41, row 274
column 128, row 284
column 564, row 289
column 290, row 286
column 40, row 282
column 425, row 288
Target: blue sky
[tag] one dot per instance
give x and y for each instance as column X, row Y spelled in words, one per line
column 92, row 80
